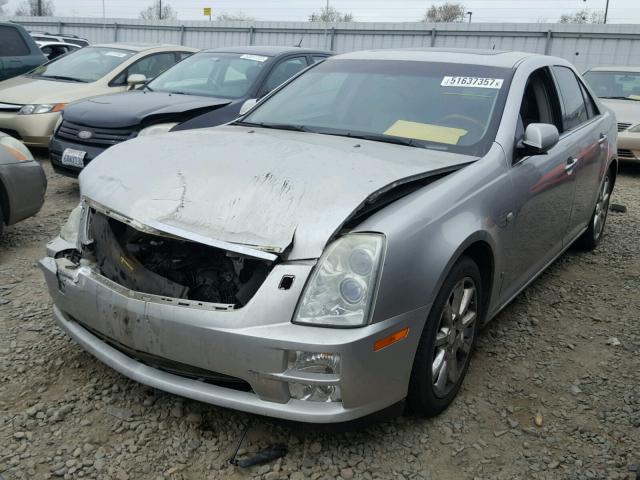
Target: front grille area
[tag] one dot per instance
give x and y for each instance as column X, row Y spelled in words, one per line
column 626, row 154
column 99, row 136
column 169, row 366
column 622, row 126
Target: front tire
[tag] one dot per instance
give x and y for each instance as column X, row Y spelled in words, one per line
column 448, row 340
column 590, row 239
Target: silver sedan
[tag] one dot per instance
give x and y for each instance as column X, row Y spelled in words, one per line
column 335, row 251
column 22, row 182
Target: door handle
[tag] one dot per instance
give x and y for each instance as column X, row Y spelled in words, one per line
column 571, row 163
column 602, row 139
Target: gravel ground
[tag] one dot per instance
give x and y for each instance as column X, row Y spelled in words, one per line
column 553, row 390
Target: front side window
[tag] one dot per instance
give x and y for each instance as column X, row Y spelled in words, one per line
column 574, row 110
column 618, row 85
column 88, row 64
column 452, row 107
column 153, row 65
column 283, row 72
column 226, row 75
column 11, row 43
column 539, row 103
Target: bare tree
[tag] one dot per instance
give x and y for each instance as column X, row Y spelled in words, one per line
column 330, row 15
column 35, row 8
column 446, row 13
column 159, row 10
column 583, row 16
column 234, row 17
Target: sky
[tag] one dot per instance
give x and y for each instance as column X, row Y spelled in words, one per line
column 620, row 11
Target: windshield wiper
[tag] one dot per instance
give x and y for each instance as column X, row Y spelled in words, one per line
column 621, row 98
column 276, row 126
column 62, row 77
column 375, row 137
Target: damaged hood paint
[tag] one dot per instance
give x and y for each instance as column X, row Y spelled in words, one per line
column 129, row 109
column 260, row 188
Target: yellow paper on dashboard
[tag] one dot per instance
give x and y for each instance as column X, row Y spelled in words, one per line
column 426, row 131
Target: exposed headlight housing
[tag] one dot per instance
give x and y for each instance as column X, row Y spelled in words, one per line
column 16, row 148
column 635, row 129
column 71, row 229
column 322, row 367
column 33, row 109
column 343, row 285
column 156, row 129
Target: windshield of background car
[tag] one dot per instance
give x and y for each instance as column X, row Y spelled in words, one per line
column 623, row 85
column 226, row 75
column 85, row 65
column 444, row 106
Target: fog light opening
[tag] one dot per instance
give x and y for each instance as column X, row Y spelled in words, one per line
column 318, row 364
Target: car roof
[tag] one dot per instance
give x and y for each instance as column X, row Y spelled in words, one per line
column 267, row 51
column 46, row 43
column 491, row 58
column 615, row 69
column 141, row 47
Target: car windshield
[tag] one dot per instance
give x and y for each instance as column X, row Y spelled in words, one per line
column 226, row 75
column 85, row 65
column 444, row 106
column 620, row 85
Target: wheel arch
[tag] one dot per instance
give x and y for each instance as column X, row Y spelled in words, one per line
column 4, row 204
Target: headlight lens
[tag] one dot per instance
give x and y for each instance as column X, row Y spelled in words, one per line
column 33, row 109
column 70, row 230
column 156, row 129
column 635, row 129
column 343, row 284
column 16, row 148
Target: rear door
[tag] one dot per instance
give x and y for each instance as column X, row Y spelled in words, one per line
column 585, row 127
column 13, row 52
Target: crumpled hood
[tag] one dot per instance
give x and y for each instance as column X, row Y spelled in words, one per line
column 261, row 188
column 627, row 111
column 132, row 108
column 23, row 90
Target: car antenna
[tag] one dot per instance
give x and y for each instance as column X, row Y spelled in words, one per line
column 300, row 42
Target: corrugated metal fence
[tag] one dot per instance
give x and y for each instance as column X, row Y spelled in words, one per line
column 584, row 45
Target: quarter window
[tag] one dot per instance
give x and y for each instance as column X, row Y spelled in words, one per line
column 574, row 110
column 11, row 43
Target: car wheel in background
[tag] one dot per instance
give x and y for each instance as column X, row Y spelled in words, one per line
column 447, row 341
column 592, row 236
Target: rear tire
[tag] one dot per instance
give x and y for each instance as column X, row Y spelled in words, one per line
column 1, row 220
column 448, row 340
column 590, row 239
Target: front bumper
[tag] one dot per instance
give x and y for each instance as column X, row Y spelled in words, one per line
column 25, row 184
column 33, row 130
column 251, row 344
column 629, row 146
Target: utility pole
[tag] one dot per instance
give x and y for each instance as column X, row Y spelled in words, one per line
column 606, row 12
column 326, row 21
column 39, row 8
column 470, row 14
column 160, row 9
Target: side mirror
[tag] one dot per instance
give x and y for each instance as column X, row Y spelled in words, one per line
column 248, row 105
column 136, row 79
column 539, row 138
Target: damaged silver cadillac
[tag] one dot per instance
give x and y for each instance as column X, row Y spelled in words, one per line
column 335, row 251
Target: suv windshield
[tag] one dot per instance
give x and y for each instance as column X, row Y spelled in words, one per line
column 621, row 85
column 444, row 106
column 85, row 65
column 226, row 75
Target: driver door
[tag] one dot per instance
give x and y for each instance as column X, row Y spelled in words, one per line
column 543, row 188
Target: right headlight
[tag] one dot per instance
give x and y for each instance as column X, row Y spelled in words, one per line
column 70, row 230
column 635, row 129
column 343, row 284
column 156, row 129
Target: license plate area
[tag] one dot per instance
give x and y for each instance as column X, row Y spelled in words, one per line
column 73, row 158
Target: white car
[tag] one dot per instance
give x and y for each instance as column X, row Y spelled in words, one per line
column 53, row 50
column 59, row 37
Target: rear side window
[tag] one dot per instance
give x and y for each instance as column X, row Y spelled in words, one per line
column 318, row 58
column 11, row 43
column 574, row 110
column 592, row 109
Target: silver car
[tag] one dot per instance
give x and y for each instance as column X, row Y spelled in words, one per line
column 335, row 251
column 22, row 182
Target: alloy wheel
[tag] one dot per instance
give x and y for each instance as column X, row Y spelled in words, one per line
column 455, row 336
column 602, row 208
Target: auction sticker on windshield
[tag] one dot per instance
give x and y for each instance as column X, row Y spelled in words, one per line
column 256, row 58
column 473, row 82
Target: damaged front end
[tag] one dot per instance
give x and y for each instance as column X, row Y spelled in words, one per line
column 149, row 261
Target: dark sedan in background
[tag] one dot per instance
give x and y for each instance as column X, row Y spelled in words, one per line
column 207, row 89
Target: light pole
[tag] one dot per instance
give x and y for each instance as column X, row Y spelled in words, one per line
column 606, row 12
column 159, row 9
column 470, row 14
column 326, row 21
